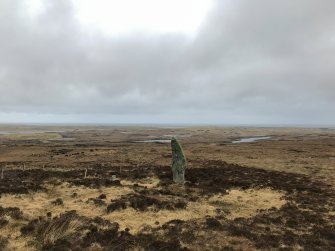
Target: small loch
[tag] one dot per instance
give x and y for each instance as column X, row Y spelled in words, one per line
column 250, row 140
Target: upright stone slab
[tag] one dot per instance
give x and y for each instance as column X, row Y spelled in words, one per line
column 178, row 162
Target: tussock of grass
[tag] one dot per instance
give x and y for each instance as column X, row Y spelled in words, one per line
column 64, row 227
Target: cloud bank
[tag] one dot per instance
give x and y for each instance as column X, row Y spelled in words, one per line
column 250, row 62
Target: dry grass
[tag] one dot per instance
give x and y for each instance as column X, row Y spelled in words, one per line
column 38, row 204
column 62, row 228
column 12, row 233
column 247, row 203
column 206, row 240
column 30, row 136
column 136, row 220
column 149, row 182
column 239, row 204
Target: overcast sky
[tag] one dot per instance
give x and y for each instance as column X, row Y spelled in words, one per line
column 167, row 61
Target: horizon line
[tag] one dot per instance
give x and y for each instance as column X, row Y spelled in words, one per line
column 170, row 124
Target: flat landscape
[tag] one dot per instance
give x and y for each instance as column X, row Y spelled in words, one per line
column 111, row 188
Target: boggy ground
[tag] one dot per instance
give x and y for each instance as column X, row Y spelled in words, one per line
column 276, row 194
column 222, row 206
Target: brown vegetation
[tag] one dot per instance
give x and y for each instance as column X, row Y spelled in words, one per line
column 274, row 194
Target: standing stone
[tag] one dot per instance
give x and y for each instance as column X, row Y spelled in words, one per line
column 178, row 162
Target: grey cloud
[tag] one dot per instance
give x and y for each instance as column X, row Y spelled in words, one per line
column 261, row 61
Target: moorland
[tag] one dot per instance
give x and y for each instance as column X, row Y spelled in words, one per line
column 111, row 188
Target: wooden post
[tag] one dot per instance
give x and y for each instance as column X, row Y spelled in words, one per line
column 85, row 173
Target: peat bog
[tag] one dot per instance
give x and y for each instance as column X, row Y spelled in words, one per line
column 305, row 219
column 128, row 200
